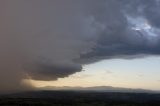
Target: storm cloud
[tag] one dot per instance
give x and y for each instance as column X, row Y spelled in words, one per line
column 50, row 39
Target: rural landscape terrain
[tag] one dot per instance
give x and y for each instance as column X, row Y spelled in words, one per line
column 80, row 98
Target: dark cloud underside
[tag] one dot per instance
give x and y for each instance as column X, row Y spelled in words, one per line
column 50, row 39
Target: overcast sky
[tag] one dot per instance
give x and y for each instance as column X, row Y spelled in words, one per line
column 59, row 40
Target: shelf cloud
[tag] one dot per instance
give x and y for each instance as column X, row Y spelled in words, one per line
column 50, row 39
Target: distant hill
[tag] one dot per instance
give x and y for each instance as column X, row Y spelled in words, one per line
column 100, row 89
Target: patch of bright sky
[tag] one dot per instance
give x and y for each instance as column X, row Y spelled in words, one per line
column 142, row 25
column 131, row 73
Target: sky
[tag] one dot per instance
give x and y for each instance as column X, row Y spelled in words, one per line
column 137, row 73
column 79, row 43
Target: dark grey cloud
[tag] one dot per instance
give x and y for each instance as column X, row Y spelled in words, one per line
column 149, row 9
column 50, row 39
column 44, row 71
column 118, row 39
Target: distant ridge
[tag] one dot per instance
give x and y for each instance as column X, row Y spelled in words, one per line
column 100, row 89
